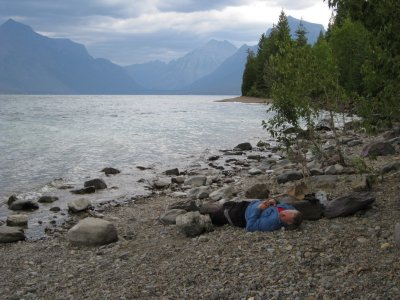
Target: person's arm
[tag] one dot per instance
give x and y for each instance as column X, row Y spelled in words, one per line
column 254, row 212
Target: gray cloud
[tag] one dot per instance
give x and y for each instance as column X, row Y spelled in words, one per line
column 131, row 31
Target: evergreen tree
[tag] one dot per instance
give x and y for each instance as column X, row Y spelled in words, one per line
column 301, row 35
column 249, row 74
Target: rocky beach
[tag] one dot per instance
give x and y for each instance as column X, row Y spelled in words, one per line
column 348, row 246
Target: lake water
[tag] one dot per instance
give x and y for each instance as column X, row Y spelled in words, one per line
column 73, row 137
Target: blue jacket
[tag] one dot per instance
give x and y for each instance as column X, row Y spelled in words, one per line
column 266, row 220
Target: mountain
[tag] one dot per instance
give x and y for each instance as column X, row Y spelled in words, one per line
column 182, row 72
column 226, row 79
column 35, row 64
column 313, row 29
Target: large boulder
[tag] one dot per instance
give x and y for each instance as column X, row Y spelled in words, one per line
column 92, row 232
column 378, row 149
column 348, row 205
column 11, row 234
column 193, row 224
column 258, row 191
column 17, row 220
column 243, row 147
column 78, row 205
column 97, row 183
column 24, row 204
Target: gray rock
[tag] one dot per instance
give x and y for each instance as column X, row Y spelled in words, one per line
column 348, row 205
column 17, row 220
column 188, row 205
column 169, row 217
column 86, row 190
column 258, row 191
column 213, row 157
column 92, row 232
column 199, row 192
column 47, row 199
column 378, row 149
column 55, row 209
column 324, row 181
column 289, row 176
column 392, row 166
column 193, row 224
column 353, row 143
column 334, row 169
column 397, row 235
column 24, row 204
column 162, row 183
column 172, row 172
column 12, row 199
column 316, row 172
column 11, row 234
column 223, row 193
column 255, row 171
column 179, row 195
column 78, row 205
column 178, row 179
column 97, row 183
column 243, row 147
column 110, row 171
column 196, row 181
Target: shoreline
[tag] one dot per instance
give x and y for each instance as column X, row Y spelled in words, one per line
column 245, row 99
column 354, row 255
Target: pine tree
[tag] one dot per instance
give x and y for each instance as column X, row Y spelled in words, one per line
column 301, row 35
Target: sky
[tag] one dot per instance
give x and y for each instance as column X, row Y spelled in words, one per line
column 138, row 31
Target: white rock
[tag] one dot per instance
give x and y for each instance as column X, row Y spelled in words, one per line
column 255, row 171
column 92, row 232
column 162, row 183
column 78, row 205
column 196, row 181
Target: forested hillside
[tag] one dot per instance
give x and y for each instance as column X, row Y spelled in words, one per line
column 354, row 67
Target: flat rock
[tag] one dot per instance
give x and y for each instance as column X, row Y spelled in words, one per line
column 196, row 181
column 255, row 171
column 324, row 181
column 11, row 234
column 17, row 220
column 392, row 166
column 348, row 205
column 334, row 169
column 47, row 199
column 92, row 232
column 200, row 192
column 78, row 205
column 172, row 172
column 188, row 205
column 97, row 183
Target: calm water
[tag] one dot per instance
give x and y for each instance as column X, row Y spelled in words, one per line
column 73, row 137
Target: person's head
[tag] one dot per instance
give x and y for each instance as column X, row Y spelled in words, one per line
column 291, row 217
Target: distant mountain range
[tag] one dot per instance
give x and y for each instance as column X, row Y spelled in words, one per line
column 31, row 63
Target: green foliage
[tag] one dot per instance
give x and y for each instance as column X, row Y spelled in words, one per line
column 250, row 73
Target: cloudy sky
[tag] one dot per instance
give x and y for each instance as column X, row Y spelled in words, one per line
column 136, row 31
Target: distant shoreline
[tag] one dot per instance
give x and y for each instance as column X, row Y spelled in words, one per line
column 244, row 99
